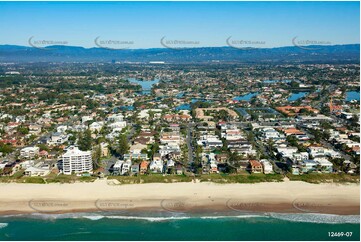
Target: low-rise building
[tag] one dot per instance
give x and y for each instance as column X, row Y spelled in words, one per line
column 267, row 166
column 29, row 152
column 156, row 165
column 37, row 170
column 308, row 166
column 57, row 138
column 126, row 167
column 255, row 166
column 325, row 165
column 143, row 167
column 134, row 169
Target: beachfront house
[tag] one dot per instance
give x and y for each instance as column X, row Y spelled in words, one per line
column 117, row 167
column 156, row 165
column 179, row 169
column 255, row 166
column 267, row 166
column 143, row 167
column 134, row 169
column 126, row 167
column 308, row 166
column 37, row 170
column 324, row 165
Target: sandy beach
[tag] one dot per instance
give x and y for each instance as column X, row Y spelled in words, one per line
column 104, row 195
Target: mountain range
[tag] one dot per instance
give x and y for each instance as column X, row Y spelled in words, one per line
column 327, row 54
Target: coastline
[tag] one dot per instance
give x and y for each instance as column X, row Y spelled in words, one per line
column 103, row 196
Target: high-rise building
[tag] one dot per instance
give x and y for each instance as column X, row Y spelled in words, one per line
column 76, row 161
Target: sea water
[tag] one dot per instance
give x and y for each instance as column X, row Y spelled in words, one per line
column 178, row 226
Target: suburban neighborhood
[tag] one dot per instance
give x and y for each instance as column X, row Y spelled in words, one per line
column 155, row 120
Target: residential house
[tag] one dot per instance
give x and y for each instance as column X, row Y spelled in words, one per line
column 308, row 166
column 35, row 129
column 104, row 149
column 58, row 138
column 170, row 137
column 221, row 158
column 137, row 148
column 44, row 154
column 156, row 165
column 115, row 117
column 267, row 166
column 179, row 169
column 134, row 169
column 135, row 156
column 29, row 152
column 255, row 166
column 325, row 165
column 168, row 149
column 117, row 167
column 61, row 128
column 96, row 126
column 126, row 167
column 39, row 169
column 86, row 118
column 143, row 167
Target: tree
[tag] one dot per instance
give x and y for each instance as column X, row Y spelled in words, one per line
column 97, row 154
column 6, row 148
column 234, row 157
column 291, row 139
column 339, row 163
column 294, row 84
column 85, row 140
column 122, row 145
column 72, row 139
column 155, row 149
column 43, row 147
column 270, row 144
column 23, row 130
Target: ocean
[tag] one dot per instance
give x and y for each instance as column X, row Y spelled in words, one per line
column 179, row 226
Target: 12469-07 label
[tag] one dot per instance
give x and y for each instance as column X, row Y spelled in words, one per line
column 339, row 234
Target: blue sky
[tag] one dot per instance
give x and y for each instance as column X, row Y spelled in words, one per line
column 209, row 23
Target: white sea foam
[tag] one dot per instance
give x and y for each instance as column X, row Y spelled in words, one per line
column 317, row 218
column 3, row 225
column 235, row 216
column 293, row 217
column 151, row 219
column 94, row 217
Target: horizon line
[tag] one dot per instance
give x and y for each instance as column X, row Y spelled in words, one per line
column 178, row 48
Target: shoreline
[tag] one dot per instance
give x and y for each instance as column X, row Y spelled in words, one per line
column 192, row 198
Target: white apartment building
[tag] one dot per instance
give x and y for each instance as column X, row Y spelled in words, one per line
column 77, row 161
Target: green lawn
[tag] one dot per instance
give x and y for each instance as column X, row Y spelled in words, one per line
column 53, row 178
column 151, row 178
column 35, row 179
column 324, row 178
column 159, row 178
column 241, row 178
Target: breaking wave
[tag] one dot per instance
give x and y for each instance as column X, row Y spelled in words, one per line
column 3, row 225
column 292, row 217
column 317, row 218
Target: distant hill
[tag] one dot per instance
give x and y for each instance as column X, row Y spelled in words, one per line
column 349, row 53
